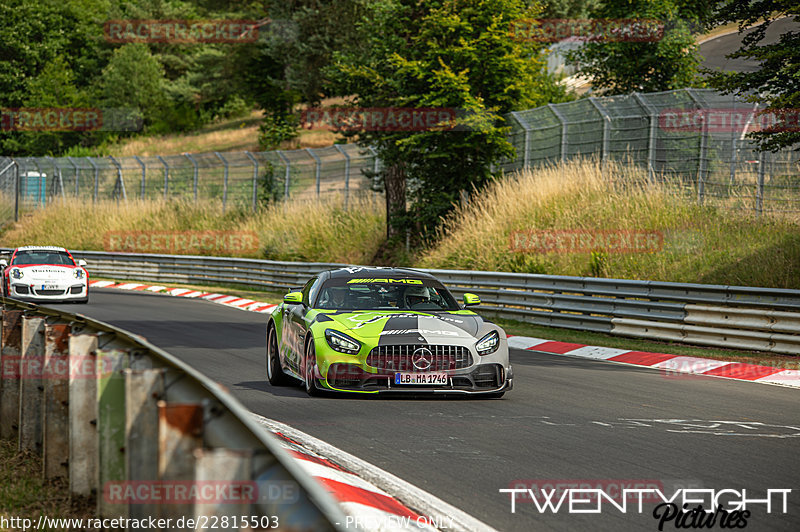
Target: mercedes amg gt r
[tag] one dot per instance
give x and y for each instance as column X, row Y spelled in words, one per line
column 45, row 274
column 371, row 330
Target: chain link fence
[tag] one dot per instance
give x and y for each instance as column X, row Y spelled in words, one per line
column 693, row 138
column 704, row 158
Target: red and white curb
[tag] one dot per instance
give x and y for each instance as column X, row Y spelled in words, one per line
column 223, row 299
column 352, row 481
column 670, row 364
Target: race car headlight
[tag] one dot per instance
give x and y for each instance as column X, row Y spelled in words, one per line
column 16, row 273
column 341, row 342
column 488, row 344
column 78, row 273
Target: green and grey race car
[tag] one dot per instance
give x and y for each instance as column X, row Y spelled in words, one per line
column 370, row 330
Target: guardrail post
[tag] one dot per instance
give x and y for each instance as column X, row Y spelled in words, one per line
column 231, row 468
column 111, row 427
column 346, row 173
column 144, row 175
column 143, row 390
column 9, row 366
column 83, row 479
column 55, row 410
column 30, row 384
column 180, row 432
column 96, row 178
column 255, row 179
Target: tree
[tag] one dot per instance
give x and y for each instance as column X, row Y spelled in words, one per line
column 621, row 66
column 775, row 81
column 454, row 54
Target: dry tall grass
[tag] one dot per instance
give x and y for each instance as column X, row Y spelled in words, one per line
column 297, row 230
column 701, row 244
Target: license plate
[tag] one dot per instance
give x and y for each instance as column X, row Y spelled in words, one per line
column 49, row 287
column 420, row 378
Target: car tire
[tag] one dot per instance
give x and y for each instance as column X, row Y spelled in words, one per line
column 309, row 361
column 275, row 374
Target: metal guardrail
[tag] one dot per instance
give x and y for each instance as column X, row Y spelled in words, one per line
column 115, row 414
column 582, row 303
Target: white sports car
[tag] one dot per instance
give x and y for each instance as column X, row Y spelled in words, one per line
column 45, row 274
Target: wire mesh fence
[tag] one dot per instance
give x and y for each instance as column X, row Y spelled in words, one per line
column 695, row 139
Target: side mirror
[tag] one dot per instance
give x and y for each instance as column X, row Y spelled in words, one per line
column 471, row 300
column 293, row 298
column 3, row 263
column 81, row 263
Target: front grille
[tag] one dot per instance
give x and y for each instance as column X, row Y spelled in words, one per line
column 49, row 292
column 399, row 357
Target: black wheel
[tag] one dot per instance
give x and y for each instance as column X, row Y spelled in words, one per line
column 275, row 374
column 308, row 373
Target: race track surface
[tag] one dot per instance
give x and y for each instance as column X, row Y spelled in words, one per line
column 566, row 419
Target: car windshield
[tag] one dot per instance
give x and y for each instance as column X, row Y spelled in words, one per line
column 385, row 294
column 27, row 258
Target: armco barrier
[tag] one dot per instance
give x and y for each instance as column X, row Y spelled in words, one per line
column 141, row 432
column 583, row 303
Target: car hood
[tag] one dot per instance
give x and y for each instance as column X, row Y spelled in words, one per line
column 46, row 272
column 408, row 327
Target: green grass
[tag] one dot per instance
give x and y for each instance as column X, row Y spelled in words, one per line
column 23, row 493
column 518, row 328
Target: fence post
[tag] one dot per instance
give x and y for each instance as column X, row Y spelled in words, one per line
column 702, row 163
column 144, row 175
column 41, row 193
column 375, row 161
column 760, row 187
column 166, row 175
column 55, row 411
column 525, row 127
column 96, row 178
column 225, row 180
column 111, row 427
column 30, row 384
column 227, row 467
column 318, row 167
column 606, row 130
column 77, row 174
column 194, row 164
column 143, row 390
column 652, row 119
column 83, row 414
column 120, row 185
column 346, row 173
column 9, row 374
column 255, row 179
column 16, row 190
column 288, row 173
column 563, row 122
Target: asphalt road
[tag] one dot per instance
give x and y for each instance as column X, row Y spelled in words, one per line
column 715, row 50
column 567, row 419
